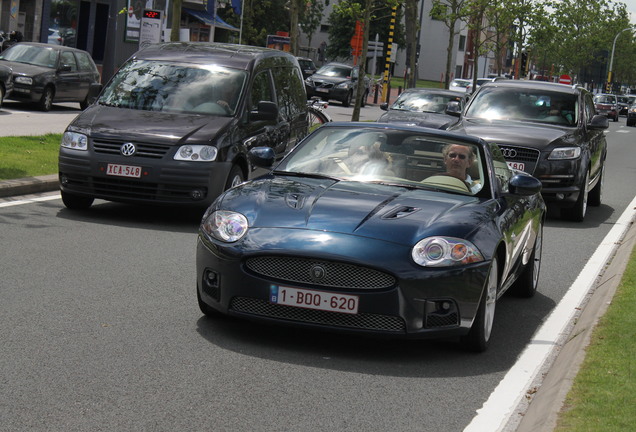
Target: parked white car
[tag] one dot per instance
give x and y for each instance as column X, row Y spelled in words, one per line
column 459, row 85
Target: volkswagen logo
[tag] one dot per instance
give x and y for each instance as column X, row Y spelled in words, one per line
column 128, row 149
column 317, row 273
column 509, row 153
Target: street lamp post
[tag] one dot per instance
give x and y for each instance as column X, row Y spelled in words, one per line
column 609, row 72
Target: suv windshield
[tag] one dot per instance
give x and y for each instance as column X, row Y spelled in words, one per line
column 524, row 104
column 335, row 71
column 176, row 88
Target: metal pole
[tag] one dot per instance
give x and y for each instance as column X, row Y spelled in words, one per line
column 609, row 73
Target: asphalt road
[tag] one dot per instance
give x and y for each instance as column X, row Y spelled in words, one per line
column 100, row 329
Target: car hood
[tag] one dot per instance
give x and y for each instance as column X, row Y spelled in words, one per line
column 162, row 128
column 390, row 213
column 513, row 133
column 26, row 69
column 431, row 120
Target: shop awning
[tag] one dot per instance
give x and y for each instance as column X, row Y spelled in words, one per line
column 206, row 18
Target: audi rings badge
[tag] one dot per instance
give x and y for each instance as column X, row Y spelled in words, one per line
column 508, row 153
column 128, row 149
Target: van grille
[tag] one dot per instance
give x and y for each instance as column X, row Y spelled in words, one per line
column 144, row 150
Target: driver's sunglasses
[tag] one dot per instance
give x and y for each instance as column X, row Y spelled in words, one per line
column 457, row 155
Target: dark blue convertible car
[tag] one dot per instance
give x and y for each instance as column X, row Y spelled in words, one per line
column 375, row 228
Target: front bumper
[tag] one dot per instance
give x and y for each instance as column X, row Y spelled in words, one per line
column 420, row 303
column 24, row 93
column 331, row 93
column 163, row 181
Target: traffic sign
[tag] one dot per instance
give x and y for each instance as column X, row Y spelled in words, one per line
column 565, row 79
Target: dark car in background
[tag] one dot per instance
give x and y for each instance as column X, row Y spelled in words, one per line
column 174, row 125
column 360, row 230
column 336, row 81
column 607, row 105
column 6, row 82
column 307, row 66
column 44, row 74
column 631, row 115
column 624, row 102
column 551, row 131
column 426, row 107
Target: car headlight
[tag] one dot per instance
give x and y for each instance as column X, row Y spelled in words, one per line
column 565, row 153
column 344, row 85
column 224, row 225
column 75, row 141
column 445, row 252
column 23, row 80
column 197, row 153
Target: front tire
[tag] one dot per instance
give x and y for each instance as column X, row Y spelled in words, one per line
column 1, row 95
column 347, row 100
column 596, row 195
column 478, row 337
column 577, row 213
column 46, row 101
column 76, row 202
column 235, row 178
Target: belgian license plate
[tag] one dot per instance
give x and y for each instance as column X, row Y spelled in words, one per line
column 517, row 165
column 123, row 170
column 310, row 299
column 322, row 90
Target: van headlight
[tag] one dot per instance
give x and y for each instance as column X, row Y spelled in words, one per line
column 75, row 141
column 196, row 153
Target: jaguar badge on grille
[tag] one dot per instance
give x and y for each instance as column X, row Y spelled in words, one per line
column 317, row 273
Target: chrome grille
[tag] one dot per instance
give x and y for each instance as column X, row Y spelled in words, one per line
column 359, row 321
column 333, row 274
column 144, row 150
column 512, row 153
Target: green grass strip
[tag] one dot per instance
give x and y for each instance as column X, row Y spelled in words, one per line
column 603, row 397
column 28, row 156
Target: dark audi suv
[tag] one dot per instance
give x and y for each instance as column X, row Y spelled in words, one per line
column 551, row 131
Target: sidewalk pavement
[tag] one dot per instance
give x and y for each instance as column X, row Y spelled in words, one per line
column 29, row 185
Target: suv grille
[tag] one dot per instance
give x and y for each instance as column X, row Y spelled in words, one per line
column 519, row 154
column 319, row 273
column 144, row 150
column 359, row 321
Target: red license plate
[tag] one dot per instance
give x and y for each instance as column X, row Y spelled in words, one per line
column 311, row 299
column 123, row 170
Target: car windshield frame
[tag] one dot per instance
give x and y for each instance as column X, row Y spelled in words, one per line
column 164, row 86
column 32, row 55
column 524, row 104
column 394, row 157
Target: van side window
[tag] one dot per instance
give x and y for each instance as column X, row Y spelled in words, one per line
column 261, row 90
column 289, row 91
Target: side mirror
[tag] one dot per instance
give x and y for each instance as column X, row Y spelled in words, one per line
column 599, row 122
column 262, row 157
column 384, row 106
column 265, row 111
column 523, row 184
column 454, row 108
column 65, row 68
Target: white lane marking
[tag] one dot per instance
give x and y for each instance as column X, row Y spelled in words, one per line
column 494, row 415
column 29, row 200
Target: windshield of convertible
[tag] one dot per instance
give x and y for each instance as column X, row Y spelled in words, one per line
column 176, row 88
column 499, row 103
column 385, row 156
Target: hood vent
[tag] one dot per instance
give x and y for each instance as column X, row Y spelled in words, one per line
column 400, row 212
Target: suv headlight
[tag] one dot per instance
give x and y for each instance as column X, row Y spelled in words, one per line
column 23, row 80
column 565, row 153
column 344, row 85
column 196, row 153
column 224, row 225
column 75, row 141
column 445, row 252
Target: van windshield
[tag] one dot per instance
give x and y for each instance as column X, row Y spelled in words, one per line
column 176, row 88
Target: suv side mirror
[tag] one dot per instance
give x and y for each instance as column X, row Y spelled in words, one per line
column 265, row 111
column 262, row 157
column 453, row 108
column 599, row 122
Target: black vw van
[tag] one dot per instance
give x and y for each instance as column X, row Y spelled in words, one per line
column 174, row 125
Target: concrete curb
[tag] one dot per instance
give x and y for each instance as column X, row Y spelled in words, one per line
column 29, row 185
